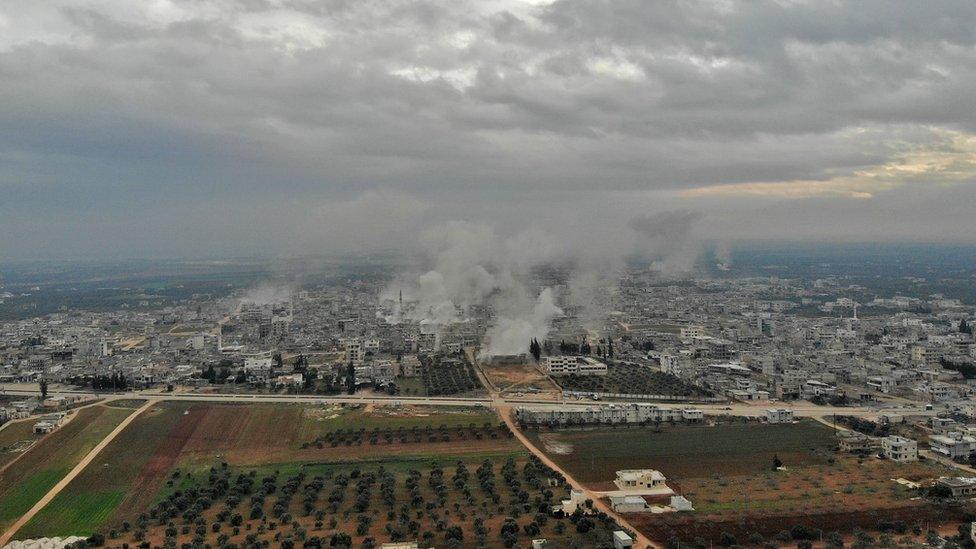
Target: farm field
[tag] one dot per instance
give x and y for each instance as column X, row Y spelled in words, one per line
column 411, row 386
column 127, row 477
column 592, row 456
column 117, row 477
column 449, row 376
column 447, row 503
column 27, row 479
column 15, row 438
column 631, row 379
column 769, row 502
column 727, row 472
column 130, row 403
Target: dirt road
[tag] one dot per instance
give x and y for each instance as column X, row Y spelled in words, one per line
column 641, row 541
column 53, row 492
column 929, row 454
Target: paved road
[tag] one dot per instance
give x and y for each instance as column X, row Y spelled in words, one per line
column 53, row 492
column 800, row 409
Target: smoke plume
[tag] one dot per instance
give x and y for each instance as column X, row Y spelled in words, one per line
column 510, row 334
column 667, row 239
column 469, row 264
column 267, row 294
column 723, row 255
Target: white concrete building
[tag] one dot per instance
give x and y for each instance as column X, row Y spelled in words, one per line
column 581, row 365
column 577, row 500
column 681, row 503
column 898, row 448
column 621, row 540
column 640, row 479
column 779, row 415
column 953, row 444
column 629, row 504
column 611, row 413
column 257, row 369
column 670, row 364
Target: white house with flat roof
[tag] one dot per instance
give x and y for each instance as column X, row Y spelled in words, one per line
column 577, row 500
column 954, row 444
column 898, row 448
column 642, row 481
column 779, row 415
column 581, row 365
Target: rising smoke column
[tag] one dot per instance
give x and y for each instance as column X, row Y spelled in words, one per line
column 723, row 255
column 510, row 335
column 472, row 265
column 464, row 273
column 267, row 294
column 667, row 237
column 591, row 286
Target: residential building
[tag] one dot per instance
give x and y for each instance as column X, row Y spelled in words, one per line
column 580, row 365
column 640, row 479
column 779, row 415
column 898, row 448
column 954, row 444
column 959, row 486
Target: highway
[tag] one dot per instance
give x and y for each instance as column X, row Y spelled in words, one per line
column 755, row 409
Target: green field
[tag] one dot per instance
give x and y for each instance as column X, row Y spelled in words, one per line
column 29, row 478
column 411, row 386
column 593, row 455
column 98, row 491
column 14, row 438
column 131, row 473
column 131, row 403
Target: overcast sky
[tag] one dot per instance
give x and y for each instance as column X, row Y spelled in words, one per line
column 196, row 127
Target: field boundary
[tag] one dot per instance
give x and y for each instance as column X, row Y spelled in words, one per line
column 53, row 492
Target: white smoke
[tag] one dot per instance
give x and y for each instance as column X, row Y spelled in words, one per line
column 465, row 272
column 471, row 265
column 591, row 286
column 667, row 238
column 723, row 255
column 510, row 335
column 267, row 294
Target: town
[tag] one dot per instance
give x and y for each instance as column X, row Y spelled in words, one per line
column 824, row 379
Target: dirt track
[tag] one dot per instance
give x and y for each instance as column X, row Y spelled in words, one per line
column 640, row 540
column 53, row 492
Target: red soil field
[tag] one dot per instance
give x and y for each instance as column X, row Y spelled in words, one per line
column 156, row 469
column 689, row 527
column 219, row 429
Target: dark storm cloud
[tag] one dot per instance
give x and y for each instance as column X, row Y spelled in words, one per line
column 247, row 119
